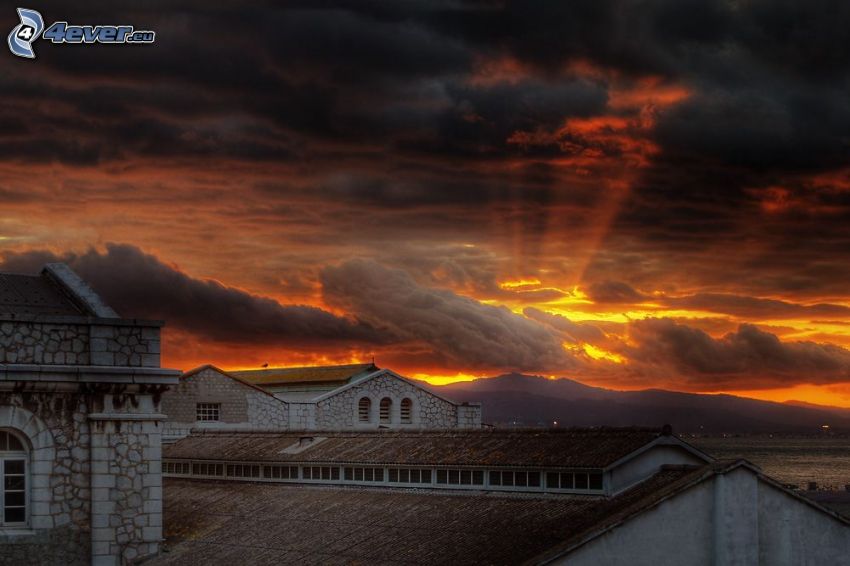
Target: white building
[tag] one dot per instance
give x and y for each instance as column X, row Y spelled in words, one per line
column 80, row 426
column 348, row 397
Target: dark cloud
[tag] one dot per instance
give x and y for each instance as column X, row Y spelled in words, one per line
column 461, row 331
column 573, row 331
column 748, row 358
column 140, row 285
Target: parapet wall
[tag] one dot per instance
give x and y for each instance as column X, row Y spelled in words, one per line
column 79, row 341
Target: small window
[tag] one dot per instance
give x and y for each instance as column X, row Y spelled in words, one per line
column 581, row 481
column 552, row 480
column 379, row 474
column 386, row 405
column 534, row 479
column 208, row 412
column 406, row 411
column 495, row 478
column 478, row 477
column 349, row 474
column 596, row 481
column 426, row 476
column 442, row 476
column 567, row 481
column 364, row 408
column 393, row 475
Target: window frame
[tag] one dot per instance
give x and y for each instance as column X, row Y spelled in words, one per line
column 16, row 455
column 206, row 409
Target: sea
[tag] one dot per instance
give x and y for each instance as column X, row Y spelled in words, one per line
column 790, row 459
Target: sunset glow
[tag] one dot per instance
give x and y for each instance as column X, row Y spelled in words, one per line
column 451, row 199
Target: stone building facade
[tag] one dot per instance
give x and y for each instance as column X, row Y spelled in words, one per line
column 79, row 410
column 240, row 405
column 208, row 397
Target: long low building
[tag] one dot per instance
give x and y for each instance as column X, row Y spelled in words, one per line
column 593, row 461
column 585, row 496
column 347, row 397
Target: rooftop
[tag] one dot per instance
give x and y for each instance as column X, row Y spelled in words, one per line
column 224, row 523
column 331, row 375
column 56, row 291
column 560, row 448
column 34, row 294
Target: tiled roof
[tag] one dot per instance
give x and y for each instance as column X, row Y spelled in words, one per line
column 214, row 523
column 312, row 374
column 34, row 294
column 568, row 448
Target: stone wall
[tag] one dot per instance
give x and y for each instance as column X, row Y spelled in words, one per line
column 43, row 343
column 126, row 487
column 429, row 411
column 74, row 341
column 94, row 477
column 469, row 415
column 241, row 405
column 57, row 430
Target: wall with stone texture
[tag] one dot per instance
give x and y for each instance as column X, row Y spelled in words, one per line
column 126, row 463
column 57, row 430
column 74, row 341
column 95, row 477
column 241, row 405
column 429, row 411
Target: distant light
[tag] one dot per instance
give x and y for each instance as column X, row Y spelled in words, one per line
column 555, row 423
column 825, row 427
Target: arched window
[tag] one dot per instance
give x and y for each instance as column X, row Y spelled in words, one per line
column 386, row 405
column 406, row 411
column 364, row 407
column 13, row 480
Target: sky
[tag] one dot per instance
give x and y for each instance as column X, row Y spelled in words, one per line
column 631, row 194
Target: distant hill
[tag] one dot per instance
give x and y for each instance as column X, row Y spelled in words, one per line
column 527, row 400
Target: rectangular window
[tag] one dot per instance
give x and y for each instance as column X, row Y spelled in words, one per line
column 567, row 481
column 393, row 475
column 534, row 479
column 426, row 476
column 596, row 481
column 478, row 477
column 454, row 477
column 14, row 491
column 205, row 469
column 208, row 412
column 404, row 476
column 495, row 478
column 349, row 474
column 379, row 474
column 442, row 476
column 465, row 477
column 507, row 478
column 177, row 468
column 368, row 474
column 552, row 480
column 358, row 474
column 520, row 479
column 581, row 481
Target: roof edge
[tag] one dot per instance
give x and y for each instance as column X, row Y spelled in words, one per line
column 78, row 290
column 195, row 371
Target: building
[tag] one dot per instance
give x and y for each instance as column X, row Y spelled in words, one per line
column 576, row 497
column 80, row 425
column 348, row 397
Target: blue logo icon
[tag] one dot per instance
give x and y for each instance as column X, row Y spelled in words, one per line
column 23, row 34
column 32, row 26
